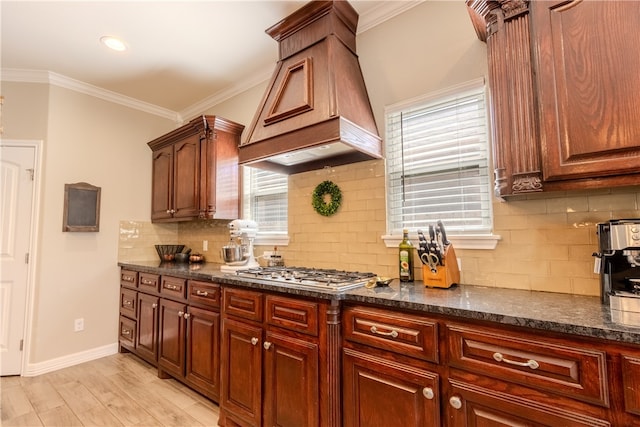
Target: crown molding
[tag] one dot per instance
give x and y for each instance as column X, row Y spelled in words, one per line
column 55, row 79
column 372, row 18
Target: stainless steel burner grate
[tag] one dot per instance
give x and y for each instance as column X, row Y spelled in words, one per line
column 309, row 277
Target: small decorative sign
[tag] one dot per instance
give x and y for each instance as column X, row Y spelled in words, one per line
column 326, row 198
column 81, row 207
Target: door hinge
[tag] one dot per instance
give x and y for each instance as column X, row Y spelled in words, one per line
column 26, row 258
column 21, row 344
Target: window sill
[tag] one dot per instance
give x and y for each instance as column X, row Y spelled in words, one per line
column 266, row 239
column 471, row 241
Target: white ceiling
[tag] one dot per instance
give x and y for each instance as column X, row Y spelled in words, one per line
column 180, row 54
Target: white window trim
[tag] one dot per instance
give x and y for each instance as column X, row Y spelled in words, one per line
column 459, row 241
column 271, row 239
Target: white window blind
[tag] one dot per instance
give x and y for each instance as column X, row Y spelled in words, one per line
column 438, row 162
column 265, row 199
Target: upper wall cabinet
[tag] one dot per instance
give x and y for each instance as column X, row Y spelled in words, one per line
column 564, row 92
column 195, row 171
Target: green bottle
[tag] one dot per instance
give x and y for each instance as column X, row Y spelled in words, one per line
column 405, row 258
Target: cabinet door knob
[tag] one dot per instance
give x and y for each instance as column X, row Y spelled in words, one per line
column 428, row 393
column 266, row 345
column 187, row 315
column 392, row 334
column 180, row 313
column 528, row 364
column 254, row 341
column 455, row 402
column 154, row 305
column 168, row 211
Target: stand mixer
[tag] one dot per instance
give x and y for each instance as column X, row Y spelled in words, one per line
column 238, row 254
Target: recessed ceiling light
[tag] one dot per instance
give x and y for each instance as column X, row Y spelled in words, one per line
column 113, row 43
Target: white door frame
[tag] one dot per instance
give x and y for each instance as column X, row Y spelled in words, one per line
column 33, row 242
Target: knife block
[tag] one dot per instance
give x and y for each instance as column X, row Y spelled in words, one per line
column 446, row 275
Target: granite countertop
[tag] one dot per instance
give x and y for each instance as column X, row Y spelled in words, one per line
column 547, row 311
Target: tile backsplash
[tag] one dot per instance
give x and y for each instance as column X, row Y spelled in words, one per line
column 547, row 239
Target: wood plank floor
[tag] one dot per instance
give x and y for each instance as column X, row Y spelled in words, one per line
column 118, row 390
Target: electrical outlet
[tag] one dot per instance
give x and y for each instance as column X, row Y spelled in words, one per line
column 205, row 245
column 78, row 325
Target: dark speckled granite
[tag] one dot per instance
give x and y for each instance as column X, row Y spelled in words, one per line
column 563, row 313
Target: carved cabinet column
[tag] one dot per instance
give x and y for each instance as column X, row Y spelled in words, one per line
column 504, row 25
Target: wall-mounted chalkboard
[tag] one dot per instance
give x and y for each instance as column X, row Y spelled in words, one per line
column 81, row 207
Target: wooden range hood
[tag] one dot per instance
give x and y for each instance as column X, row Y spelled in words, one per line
column 316, row 110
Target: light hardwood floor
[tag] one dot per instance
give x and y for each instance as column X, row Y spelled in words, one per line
column 118, row 390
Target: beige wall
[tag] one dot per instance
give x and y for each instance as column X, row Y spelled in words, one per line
column 85, row 140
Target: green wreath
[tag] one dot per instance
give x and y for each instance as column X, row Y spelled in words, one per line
column 318, row 201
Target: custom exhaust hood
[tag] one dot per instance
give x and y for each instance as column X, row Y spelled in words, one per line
column 316, row 110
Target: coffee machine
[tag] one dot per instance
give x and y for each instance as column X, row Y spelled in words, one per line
column 618, row 262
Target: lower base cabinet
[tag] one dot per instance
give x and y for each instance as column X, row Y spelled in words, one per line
column 380, row 393
column 470, row 405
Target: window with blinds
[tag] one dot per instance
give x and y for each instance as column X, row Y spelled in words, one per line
column 438, row 162
column 265, row 199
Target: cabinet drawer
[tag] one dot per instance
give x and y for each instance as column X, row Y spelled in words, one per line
column 127, row 332
column 129, row 278
column 149, row 282
column 128, row 302
column 288, row 313
column 559, row 367
column 204, row 293
column 401, row 333
column 173, row 287
column 242, row 303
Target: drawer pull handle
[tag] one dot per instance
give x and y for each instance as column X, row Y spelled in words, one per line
column 528, row 364
column 147, row 282
column 202, row 293
column 455, row 402
column 266, row 345
column 127, row 278
column 392, row 334
column 127, row 303
column 126, row 332
column 428, row 393
column 172, row 287
column 254, row 341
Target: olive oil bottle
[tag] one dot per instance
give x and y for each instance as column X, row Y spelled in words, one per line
column 405, row 255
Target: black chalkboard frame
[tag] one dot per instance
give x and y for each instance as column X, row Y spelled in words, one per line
column 81, row 208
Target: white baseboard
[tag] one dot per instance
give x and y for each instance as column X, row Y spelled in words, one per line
column 34, row 369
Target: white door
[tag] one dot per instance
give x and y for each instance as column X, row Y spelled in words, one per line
column 16, row 188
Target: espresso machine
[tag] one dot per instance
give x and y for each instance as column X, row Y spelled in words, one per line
column 618, row 262
column 238, row 254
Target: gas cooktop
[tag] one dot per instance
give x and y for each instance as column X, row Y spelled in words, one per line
column 335, row 280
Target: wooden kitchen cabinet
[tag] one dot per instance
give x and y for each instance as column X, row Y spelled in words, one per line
column 381, row 392
column 564, row 102
column 389, row 369
column 189, row 334
column 147, row 334
column 195, row 171
column 271, row 359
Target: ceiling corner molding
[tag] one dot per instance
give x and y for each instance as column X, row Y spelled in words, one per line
column 49, row 77
column 228, row 93
column 385, row 11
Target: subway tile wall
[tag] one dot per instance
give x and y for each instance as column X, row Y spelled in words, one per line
column 547, row 239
